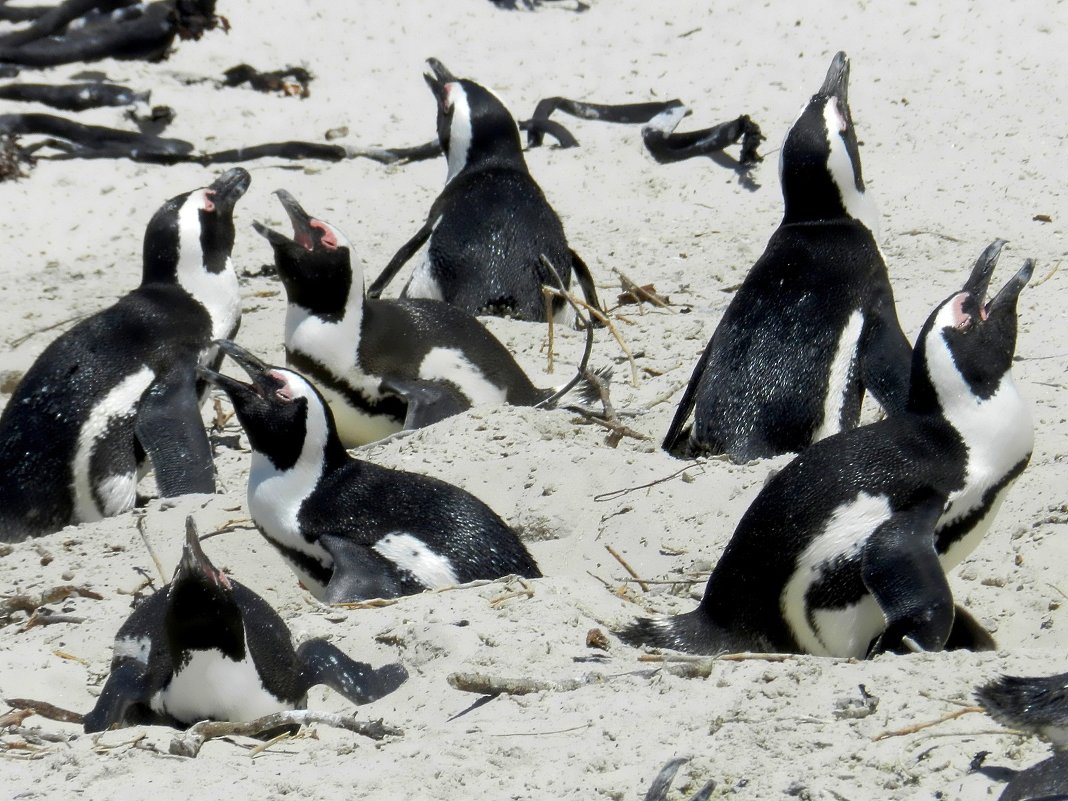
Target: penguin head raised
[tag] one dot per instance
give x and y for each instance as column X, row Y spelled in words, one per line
column 201, row 611
column 474, row 126
column 316, row 264
column 819, row 163
column 287, row 422
column 965, row 349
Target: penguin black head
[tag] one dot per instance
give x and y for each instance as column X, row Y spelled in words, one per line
column 819, row 163
column 285, row 418
column 193, row 233
column 474, row 126
column 965, row 349
column 315, row 265
column 201, row 611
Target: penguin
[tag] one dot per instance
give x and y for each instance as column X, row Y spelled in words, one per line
column 814, row 324
column 208, row 648
column 350, row 529
column 387, row 364
column 1039, row 705
column 489, row 229
column 844, row 551
column 121, row 386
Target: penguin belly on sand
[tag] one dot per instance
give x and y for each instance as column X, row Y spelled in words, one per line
column 350, row 529
column 207, row 648
column 491, row 230
column 844, row 552
column 814, row 324
column 386, row 364
column 121, row 385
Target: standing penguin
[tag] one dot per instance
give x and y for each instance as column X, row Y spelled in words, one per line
column 121, row 385
column 813, row 324
column 207, row 648
column 489, row 229
column 351, row 529
column 844, row 551
column 386, row 364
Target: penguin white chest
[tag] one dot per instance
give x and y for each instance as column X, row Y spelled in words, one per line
column 213, row 686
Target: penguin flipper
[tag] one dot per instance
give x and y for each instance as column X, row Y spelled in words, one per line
column 126, row 686
column 359, row 573
column 401, row 257
column 678, row 429
column 886, row 359
column 658, row 790
column 901, row 570
column 323, row 663
column 428, row 401
column 172, row 433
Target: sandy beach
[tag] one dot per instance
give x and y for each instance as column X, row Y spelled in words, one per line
column 960, row 112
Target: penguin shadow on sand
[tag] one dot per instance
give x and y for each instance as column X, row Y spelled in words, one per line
column 350, row 529
column 1037, row 705
column 387, row 364
column 118, row 392
column 813, row 326
column 490, row 232
column 205, row 647
column 844, row 552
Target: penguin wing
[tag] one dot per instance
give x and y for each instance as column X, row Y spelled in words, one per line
column 886, row 358
column 171, row 431
column 126, row 686
column 323, row 663
column 359, row 573
column 428, row 401
column 901, row 570
column 677, row 430
column 407, row 250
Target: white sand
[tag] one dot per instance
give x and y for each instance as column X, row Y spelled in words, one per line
column 960, row 112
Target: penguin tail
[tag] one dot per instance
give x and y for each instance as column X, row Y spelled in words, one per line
column 1026, row 702
column 691, row 632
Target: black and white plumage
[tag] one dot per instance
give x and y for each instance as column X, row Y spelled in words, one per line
column 488, row 232
column 348, row 528
column 121, row 385
column 844, row 551
column 207, row 648
column 814, row 324
column 386, row 364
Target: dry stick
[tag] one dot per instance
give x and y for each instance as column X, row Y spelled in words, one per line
column 16, row 342
column 619, row 558
column 30, row 603
column 546, row 295
column 967, row 710
column 484, row 684
column 653, row 582
column 614, row 494
column 189, row 743
column 666, row 396
column 1055, row 269
column 259, row 749
column 641, row 293
column 610, row 419
column 44, row 709
column 37, row 619
column 151, row 550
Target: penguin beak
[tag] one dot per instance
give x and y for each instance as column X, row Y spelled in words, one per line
column 229, row 187
column 979, row 280
column 261, row 385
column 436, row 76
column 195, row 562
column 304, row 233
column 836, row 84
column 1006, row 298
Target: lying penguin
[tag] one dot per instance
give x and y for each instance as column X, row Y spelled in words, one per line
column 388, row 364
column 813, row 325
column 351, row 529
column 844, row 551
column 207, row 648
column 121, row 385
column 1039, row 705
column 491, row 229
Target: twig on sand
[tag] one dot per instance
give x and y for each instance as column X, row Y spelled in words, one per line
column 151, row 550
column 956, row 713
column 485, row 684
column 615, row 494
column 25, row 707
column 25, row 337
column 31, row 603
column 641, row 294
column 619, row 558
column 189, row 743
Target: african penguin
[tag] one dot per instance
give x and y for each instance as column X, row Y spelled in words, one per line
column 814, row 324
column 121, row 385
column 485, row 237
column 387, row 364
column 350, row 529
column 207, row 648
column 1037, row 704
column 844, row 551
